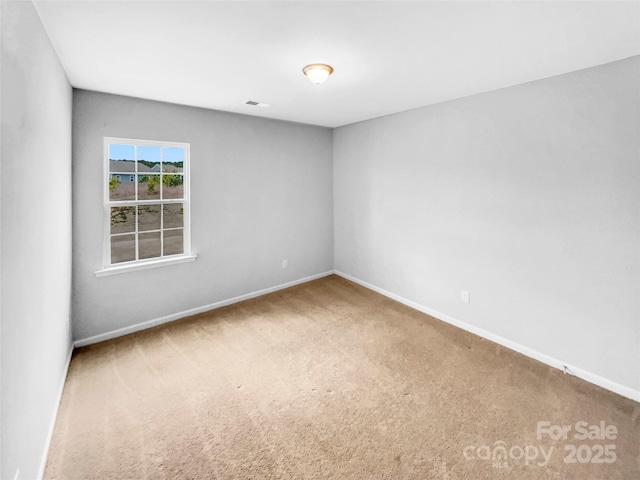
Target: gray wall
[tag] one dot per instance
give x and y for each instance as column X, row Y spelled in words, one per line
column 261, row 192
column 527, row 197
column 36, row 237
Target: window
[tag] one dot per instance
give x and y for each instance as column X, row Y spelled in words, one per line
column 146, row 213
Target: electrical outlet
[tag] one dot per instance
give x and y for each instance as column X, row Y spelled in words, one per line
column 464, row 296
column 285, row 263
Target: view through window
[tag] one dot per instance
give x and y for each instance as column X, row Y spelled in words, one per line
column 147, row 201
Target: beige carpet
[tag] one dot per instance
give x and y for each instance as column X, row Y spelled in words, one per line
column 328, row 380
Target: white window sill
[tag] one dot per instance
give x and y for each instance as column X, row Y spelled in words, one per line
column 145, row 265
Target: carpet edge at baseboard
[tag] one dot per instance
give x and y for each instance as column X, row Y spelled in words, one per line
column 193, row 311
column 585, row 375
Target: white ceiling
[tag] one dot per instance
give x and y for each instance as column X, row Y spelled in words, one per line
column 388, row 56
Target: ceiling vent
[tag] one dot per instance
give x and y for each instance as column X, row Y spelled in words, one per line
column 253, row 103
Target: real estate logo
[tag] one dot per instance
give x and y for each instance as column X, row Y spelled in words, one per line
column 500, row 453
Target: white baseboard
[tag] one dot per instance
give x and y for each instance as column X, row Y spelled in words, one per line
column 169, row 318
column 43, row 463
column 529, row 352
column 590, row 377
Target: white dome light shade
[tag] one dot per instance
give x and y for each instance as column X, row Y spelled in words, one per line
column 317, row 72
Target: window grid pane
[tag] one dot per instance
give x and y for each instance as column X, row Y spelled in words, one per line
column 149, row 217
column 122, row 220
column 123, row 248
column 173, row 242
column 172, row 186
column 149, row 186
column 149, row 244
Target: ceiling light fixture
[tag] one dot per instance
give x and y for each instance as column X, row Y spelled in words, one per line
column 317, row 72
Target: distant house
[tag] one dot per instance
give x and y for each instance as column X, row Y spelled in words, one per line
column 166, row 167
column 124, row 170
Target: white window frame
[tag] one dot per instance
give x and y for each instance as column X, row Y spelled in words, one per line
column 186, row 256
